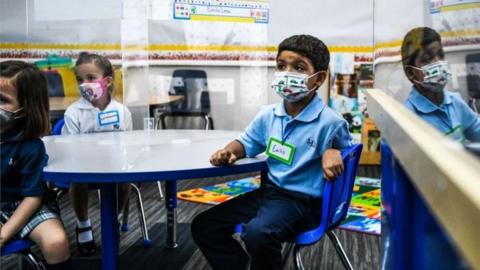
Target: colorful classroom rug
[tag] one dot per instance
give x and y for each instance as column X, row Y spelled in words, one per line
column 219, row 193
column 363, row 214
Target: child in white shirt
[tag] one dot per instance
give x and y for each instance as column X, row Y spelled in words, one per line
column 95, row 111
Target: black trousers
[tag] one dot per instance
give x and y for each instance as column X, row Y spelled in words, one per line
column 270, row 215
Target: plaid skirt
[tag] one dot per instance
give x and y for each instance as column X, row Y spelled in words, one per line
column 45, row 212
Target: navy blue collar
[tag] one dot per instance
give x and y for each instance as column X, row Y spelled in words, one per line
column 11, row 135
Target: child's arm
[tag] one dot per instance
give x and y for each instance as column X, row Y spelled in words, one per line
column 228, row 155
column 469, row 119
column 250, row 143
column 71, row 125
column 20, row 217
column 332, row 163
column 472, row 131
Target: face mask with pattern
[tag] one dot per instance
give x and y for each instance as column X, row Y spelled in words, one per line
column 436, row 76
column 93, row 90
column 291, row 86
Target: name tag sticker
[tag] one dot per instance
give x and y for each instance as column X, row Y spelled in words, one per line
column 282, row 152
column 457, row 134
column 108, row 118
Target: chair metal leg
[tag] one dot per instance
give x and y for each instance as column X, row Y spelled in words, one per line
column 473, row 104
column 207, row 122
column 211, row 122
column 160, row 190
column 286, row 254
column 20, row 262
column 125, row 214
column 338, row 247
column 99, row 196
column 33, row 261
column 298, row 258
column 157, row 122
column 161, row 118
column 141, row 217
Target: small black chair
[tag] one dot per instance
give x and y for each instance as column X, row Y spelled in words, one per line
column 54, row 83
column 193, row 86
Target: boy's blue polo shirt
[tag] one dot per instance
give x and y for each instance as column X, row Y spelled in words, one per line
column 452, row 112
column 22, row 163
column 315, row 129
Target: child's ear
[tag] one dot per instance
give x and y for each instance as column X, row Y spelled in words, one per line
column 321, row 76
column 109, row 80
column 409, row 73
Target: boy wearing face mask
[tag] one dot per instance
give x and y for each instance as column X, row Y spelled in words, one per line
column 424, row 65
column 302, row 138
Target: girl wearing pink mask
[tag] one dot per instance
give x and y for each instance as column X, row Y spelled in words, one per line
column 95, row 111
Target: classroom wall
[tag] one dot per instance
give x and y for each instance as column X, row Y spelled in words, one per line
column 237, row 92
column 239, row 89
column 36, row 21
column 75, row 21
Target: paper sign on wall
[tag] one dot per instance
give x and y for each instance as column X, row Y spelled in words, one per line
column 221, row 10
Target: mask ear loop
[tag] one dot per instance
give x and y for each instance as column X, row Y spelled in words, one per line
column 316, row 87
column 15, row 113
column 417, row 81
column 417, row 68
column 104, row 85
column 108, row 87
column 19, row 116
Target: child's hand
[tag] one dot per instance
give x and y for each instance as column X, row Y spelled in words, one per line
column 223, row 157
column 332, row 164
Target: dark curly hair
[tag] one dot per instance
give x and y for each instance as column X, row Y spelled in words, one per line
column 308, row 46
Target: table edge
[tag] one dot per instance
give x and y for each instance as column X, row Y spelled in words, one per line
column 153, row 176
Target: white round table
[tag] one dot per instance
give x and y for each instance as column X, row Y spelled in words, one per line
column 138, row 156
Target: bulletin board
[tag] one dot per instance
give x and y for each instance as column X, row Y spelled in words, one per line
column 218, row 30
column 457, row 21
column 221, row 11
column 209, row 31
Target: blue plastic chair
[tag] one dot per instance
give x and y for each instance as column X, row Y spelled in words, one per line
column 22, row 247
column 57, row 130
column 337, row 195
